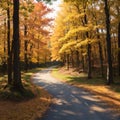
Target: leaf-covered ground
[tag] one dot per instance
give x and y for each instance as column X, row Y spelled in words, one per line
column 30, row 106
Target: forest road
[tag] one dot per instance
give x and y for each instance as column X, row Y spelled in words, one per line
column 69, row 102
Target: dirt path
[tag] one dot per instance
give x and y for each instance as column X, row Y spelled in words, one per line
column 71, row 103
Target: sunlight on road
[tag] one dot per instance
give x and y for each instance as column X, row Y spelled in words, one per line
column 96, row 108
column 69, row 102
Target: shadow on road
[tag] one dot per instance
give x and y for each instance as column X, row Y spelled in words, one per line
column 71, row 103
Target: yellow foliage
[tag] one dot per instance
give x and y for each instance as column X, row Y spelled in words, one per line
column 78, row 24
column 68, row 46
column 73, row 16
column 86, row 42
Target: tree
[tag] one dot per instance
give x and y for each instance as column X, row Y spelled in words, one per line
column 6, row 6
column 119, row 48
column 108, row 41
column 86, row 31
column 17, row 83
column 118, row 14
column 25, row 9
column 8, row 45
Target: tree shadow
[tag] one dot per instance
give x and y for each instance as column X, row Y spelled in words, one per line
column 84, row 80
column 71, row 103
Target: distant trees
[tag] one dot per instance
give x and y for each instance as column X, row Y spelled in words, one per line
column 9, row 58
column 85, row 36
column 87, row 39
column 6, row 15
column 29, row 43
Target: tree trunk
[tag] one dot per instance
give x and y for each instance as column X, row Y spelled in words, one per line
column 5, row 49
column 88, row 51
column 25, row 55
column 38, row 54
column 9, row 59
column 108, row 42
column 25, row 48
column 68, row 62
column 77, row 59
column 30, row 56
column 72, row 59
column 83, row 63
column 119, row 48
column 17, row 83
column 100, row 54
column 100, row 49
column 89, row 61
column 64, row 58
column 101, row 58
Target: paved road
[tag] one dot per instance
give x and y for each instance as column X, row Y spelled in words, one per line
column 71, row 103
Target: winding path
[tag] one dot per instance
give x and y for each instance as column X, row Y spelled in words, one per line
column 69, row 102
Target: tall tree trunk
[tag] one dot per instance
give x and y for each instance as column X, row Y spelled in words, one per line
column 77, row 59
column 100, row 54
column 119, row 48
column 64, row 58
column 85, row 22
column 30, row 56
column 25, row 55
column 68, row 61
column 88, row 50
column 83, row 65
column 25, row 48
column 72, row 59
column 9, row 60
column 17, row 83
column 108, row 42
column 101, row 58
column 118, row 14
column 38, row 54
column 5, row 49
column 89, row 61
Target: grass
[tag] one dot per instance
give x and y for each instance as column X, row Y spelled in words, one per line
column 81, row 79
column 59, row 75
column 29, row 105
column 109, row 94
column 95, row 85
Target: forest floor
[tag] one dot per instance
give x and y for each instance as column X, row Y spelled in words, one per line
column 96, row 85
column 30, row 106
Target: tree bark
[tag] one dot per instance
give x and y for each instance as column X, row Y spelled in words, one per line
column 88, row 50
column 38, row 54
column 89, row 58
column 100, row 54
column 119, row 49
column 83, row 62
column 72, row 59
column 89, row 61
column 25, row 48
column 5, row 49
column 9, row 59
column 101, row 58
column 77, row 59
column 68, row 62
column 64, row 58
column 17, row 83
column 108, row 42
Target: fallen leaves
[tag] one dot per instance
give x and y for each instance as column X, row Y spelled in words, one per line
column 25, row 109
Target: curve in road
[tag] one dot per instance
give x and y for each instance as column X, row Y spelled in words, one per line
column 71, row 103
